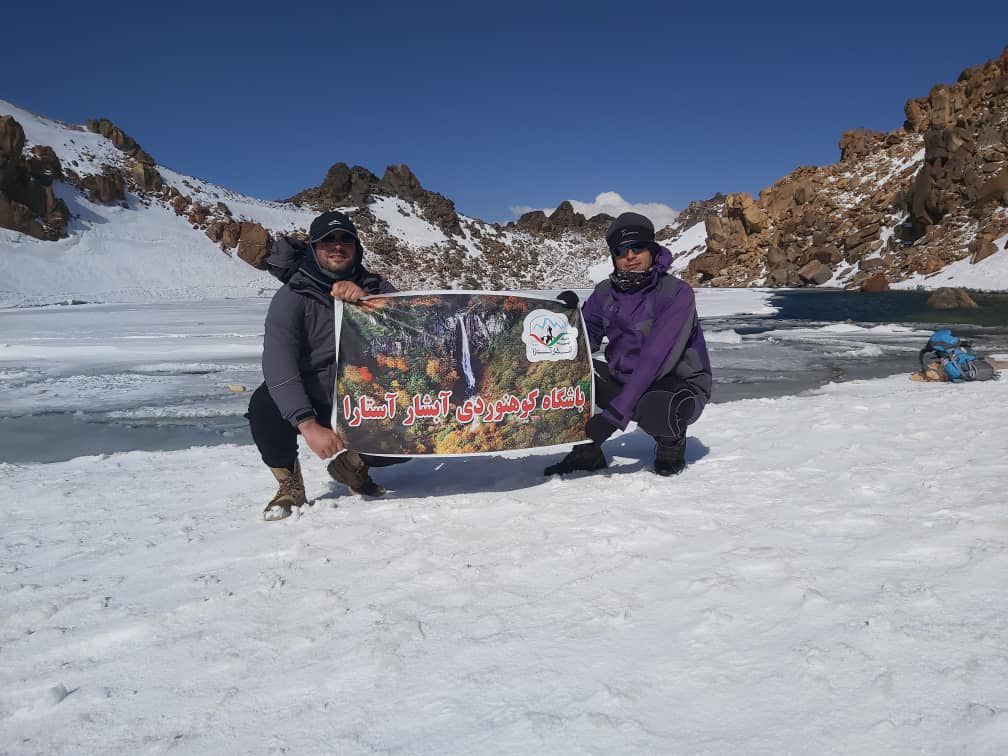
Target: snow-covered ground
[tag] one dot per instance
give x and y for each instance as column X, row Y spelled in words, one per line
column 827, row 576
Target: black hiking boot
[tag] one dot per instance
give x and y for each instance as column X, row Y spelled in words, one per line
column 349, row 469
column 670, row 456
column 582, row 457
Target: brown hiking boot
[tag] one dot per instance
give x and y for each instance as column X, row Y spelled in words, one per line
column 290, row 494
column 349, row 469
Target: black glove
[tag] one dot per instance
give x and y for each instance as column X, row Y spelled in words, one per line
column 569, row 298
column 599, row 428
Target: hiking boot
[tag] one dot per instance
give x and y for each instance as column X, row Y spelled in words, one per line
column 670, row 456
column 582, row 457
column 349, row 469
column 290, row 494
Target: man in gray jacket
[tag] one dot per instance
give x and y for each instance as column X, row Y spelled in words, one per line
column 299, row 360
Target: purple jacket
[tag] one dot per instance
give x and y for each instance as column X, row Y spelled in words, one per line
column 653, row 332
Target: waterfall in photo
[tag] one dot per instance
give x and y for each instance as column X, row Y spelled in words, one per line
column 466, row 360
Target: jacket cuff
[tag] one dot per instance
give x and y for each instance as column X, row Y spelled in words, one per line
column 301, row 415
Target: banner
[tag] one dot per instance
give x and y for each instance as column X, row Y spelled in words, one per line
column 445, row 373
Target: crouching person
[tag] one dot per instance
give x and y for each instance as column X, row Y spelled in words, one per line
column 657, row 372
column 299, row 361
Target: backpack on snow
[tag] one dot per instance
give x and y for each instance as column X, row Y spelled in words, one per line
column 955, row 358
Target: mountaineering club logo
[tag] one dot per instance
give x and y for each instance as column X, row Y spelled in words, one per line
column 548, row 336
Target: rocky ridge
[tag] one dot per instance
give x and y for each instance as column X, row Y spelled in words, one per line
column 896, row 205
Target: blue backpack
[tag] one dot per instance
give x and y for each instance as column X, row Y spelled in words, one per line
column 956, row 357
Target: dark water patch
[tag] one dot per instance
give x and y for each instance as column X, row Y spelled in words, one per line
column 57, row 437
column 904, row 307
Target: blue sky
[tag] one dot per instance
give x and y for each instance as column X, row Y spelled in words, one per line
column 495, row 106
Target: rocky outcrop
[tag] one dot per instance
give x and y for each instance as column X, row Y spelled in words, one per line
column 142, row 168
column 105, row 188
column 253, row 243
column 28, row 203
column 344, row 187
column 561, row 221
column 903, row 203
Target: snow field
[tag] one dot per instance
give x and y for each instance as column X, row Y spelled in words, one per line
column 827, row 576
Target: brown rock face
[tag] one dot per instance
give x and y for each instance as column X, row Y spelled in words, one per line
column 948, row 298
column 252, row 245
column 400, row 181
column 105, row 188
column 535, row 221
column 27, row 201
column 707, row 265
column 875, row 282
column 815, row 272
column 565, row 217
column 858, row 143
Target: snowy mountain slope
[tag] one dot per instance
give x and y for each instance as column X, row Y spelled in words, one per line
column 149, row 249
column 795, row 591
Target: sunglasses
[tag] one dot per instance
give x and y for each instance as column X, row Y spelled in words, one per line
column 337, row 238
column 637, row 247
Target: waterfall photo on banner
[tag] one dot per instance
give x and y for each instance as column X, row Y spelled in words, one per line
column 460, row 373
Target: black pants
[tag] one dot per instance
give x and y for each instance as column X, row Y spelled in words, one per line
column 664, row 410
column 277, row 439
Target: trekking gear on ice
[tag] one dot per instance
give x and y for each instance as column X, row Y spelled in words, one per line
column 582, row 457
column 955, row 358
column 670, row 456
column 349, row 469
column 290, row 494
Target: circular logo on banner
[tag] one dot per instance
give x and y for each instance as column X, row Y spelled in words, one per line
column 548, row 336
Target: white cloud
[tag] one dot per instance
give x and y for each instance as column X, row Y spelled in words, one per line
column 612, row 203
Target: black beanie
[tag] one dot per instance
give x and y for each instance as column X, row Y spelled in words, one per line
column 630, row 229
column 328, row 223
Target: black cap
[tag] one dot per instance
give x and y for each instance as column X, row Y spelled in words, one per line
column 329, row 222
column 630, row 230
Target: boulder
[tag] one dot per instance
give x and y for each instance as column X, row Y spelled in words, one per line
column 709, row 264
column 105, row 188
column 252, row 245
column 949, row 298
column 981, row 248
column 875, row 282
column 815, row 272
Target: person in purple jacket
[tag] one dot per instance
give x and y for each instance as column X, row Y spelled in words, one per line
column 656, row 372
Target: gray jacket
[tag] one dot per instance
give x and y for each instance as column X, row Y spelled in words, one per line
column 299, row 345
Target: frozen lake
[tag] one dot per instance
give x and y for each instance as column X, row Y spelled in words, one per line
column 103, row 378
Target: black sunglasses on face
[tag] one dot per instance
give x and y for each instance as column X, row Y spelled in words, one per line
column 623, row 251
column 337, row 238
